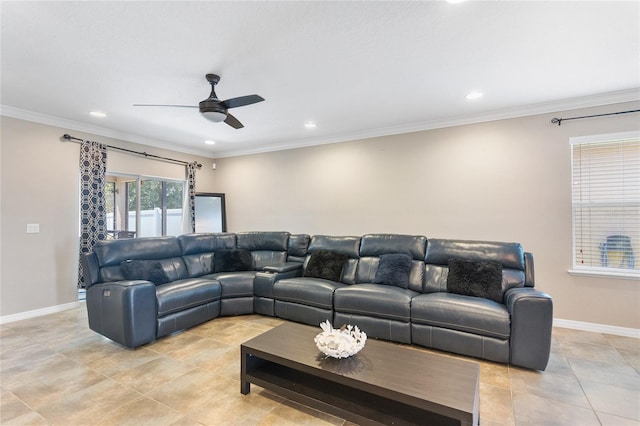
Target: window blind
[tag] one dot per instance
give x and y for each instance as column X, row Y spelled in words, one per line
column 606, row 204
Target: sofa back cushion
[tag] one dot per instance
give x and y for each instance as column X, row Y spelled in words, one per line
column 158, row 271
column 379, row 244
column 148, row 270
column 198, row 249
column 110, row 253
column 199, row 264
column 232, row 261
column 206, row 242
column 274, row 241
column 297, row 248
column 348, row 246
column 262, row 258
column 267, row 248
column 373, row 246
column 439, row 251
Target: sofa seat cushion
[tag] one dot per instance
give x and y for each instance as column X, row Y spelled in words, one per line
column 308, row 291
column 235, row 284
column 375, row 300
column 464, row 313
column 179, row 295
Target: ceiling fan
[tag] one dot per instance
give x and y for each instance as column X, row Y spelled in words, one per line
column 214, row 109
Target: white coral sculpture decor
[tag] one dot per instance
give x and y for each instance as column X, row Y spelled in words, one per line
column 342, row 342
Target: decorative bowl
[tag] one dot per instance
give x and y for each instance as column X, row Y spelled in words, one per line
column 340, row 343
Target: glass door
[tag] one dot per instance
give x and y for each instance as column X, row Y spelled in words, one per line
column 155, row 207
column 173, row 204
column 133, row 205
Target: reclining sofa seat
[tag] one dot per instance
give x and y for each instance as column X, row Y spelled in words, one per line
column 135, row 312
column 263, row 301
column 307, row 299
column 478, row 326
column 382, row 310
column 267, row 249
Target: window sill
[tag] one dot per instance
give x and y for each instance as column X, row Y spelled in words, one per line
column 604, row 273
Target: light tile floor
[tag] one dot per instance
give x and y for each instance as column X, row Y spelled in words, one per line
column 54, row 370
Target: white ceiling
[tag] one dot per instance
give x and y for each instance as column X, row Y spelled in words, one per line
column 358, row 69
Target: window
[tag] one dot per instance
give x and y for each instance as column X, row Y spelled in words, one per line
column 156, row 211
column 605, row 172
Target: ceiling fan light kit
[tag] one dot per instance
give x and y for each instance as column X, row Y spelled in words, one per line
column 214, row 115
column 215, row 110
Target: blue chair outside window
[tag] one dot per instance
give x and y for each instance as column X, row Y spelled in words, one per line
column 617, row 252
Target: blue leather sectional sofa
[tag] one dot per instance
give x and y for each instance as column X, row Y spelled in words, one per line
column 468, row 297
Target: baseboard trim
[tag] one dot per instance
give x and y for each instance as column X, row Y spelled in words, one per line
column 38, row 312
column 597, row 328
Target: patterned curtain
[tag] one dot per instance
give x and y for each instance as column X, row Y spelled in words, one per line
column 191, row 179
column 93, row 212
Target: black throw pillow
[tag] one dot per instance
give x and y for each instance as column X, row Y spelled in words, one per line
column 148, row 270
column 326, row 265
column 232, row 260
column 475, row 278
column 394, row 269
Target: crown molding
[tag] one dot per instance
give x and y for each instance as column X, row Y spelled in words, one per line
column 64, row 123
column 523, row 111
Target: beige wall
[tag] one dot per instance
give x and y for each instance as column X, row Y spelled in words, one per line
column 505, row 180
column 39, row 184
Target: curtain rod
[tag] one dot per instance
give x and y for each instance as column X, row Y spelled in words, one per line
column 130, row 151
column 560, row 120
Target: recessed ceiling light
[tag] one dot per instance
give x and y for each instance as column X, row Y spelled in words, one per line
column 310, row 125
column 210, row 142
column 98, row 114
column 474, row 95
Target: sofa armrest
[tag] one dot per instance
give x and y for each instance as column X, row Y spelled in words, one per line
column 263, row 302
column 531, row 324
column 90, row 269
column 124, row 311
column 284, row 267
column 264, row 281
column 529, row 276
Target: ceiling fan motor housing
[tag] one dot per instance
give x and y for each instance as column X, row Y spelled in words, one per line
column 212, row 110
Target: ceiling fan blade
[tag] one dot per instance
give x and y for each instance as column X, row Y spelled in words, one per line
column 241, row 101
column 233, row 122
column 163, row 105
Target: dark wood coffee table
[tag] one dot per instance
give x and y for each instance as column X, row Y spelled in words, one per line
column 384, row 383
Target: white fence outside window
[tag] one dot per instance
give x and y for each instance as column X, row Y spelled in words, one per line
column 151, row 222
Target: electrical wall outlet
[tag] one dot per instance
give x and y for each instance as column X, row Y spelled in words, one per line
column 33, row 228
